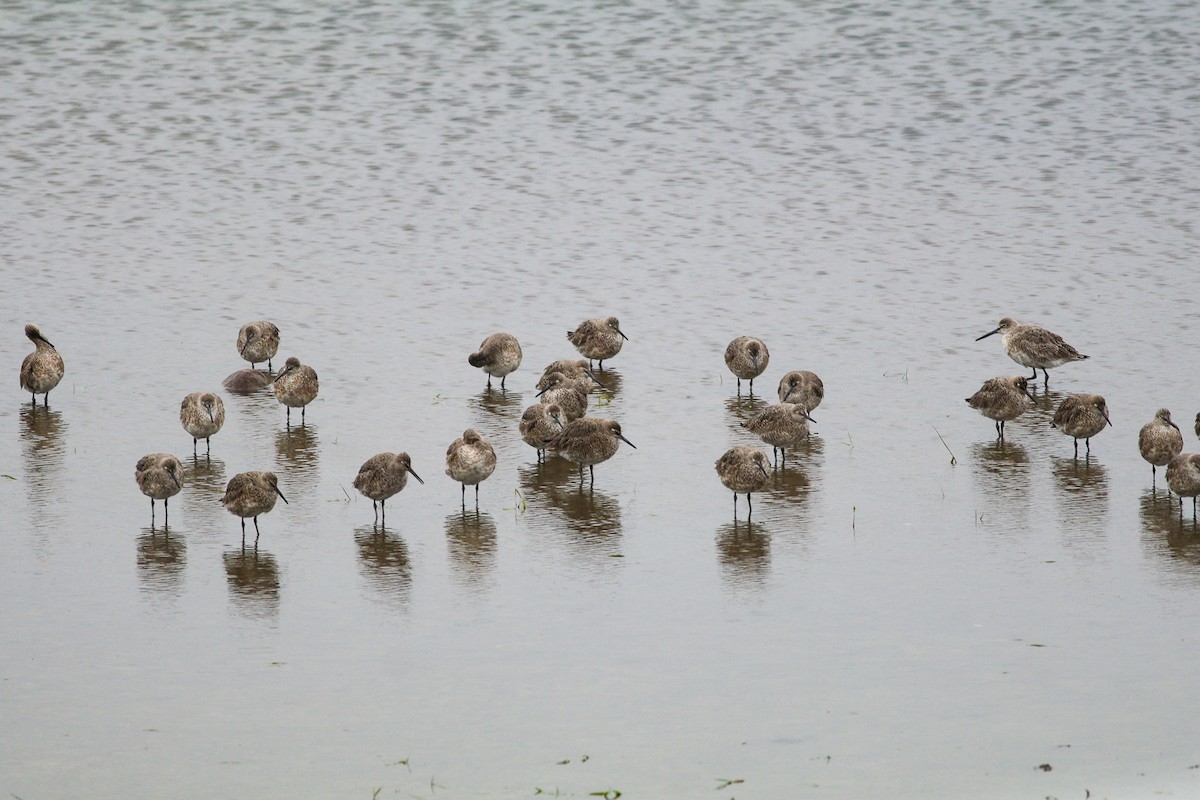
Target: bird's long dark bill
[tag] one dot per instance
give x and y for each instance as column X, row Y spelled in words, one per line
column 44, row 339
column 791, row 389
column 807, row 417
column 623, row 336
column 243, row 350
column 1106, row 419
column 626, row 441
column 415, row 475
column 989, row 333
column 280, row 494
column 282, row 372
column 542, row 392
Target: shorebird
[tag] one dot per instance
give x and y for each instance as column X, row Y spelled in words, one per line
column 1002, row 399
column 246, row 380
column 744, row 470
column 598, row 339
column 1183, row 478
column 159, row 476
column 746, row 357
column 202, row 415
column 296, row 386
column 249, row 494
column 1081, row 416
column 382, row 476
column 43, row 368
column 540, row 423
column 1198, row 425
column 1159, row 441
column 498, row 355
column 258, row 342
column 1034, row 347
column 575, row 369
column 589, row 441
column 803, row 388
column 565, row 393
column 470, row 459
column 781, row 426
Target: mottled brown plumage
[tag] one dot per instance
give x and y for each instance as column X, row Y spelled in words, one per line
column 246, row 380
column 43, row 368
column 567, row 394
column 747, row 358
column 589, row 441
column 1002, row 399
column 249, row 494
column 540, row 423
column 1081, row 416
column 296, row 386
column 383, row 475
column 498, row 355
column 159, row 476
column 598, row 339
column 1034, row 347
column 470, row 460
column 1183, row 478
column 258, row 342
column 202, row 414
column 576, row 369
column 802, row 388
column 1159, row 441
column 744, row 470
column 781, row 426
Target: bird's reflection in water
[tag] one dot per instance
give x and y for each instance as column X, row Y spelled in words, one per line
column 592, row 517
column 471, row 537
column 1001, row 469
column 161, row 558
column 384, row 564
column 494, row 402
column 1044, row 401
column 253, row 577
column 43, row 452
column 744, row 553
column 296, row 455
column 1173, row 541
column 741, row 408
column 204, row 481
column 1082, row 489
column 605, row 388
column 792, row 478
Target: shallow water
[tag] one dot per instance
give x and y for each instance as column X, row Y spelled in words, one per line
column 867, row 190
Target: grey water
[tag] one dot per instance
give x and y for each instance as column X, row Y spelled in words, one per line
column 915, row 610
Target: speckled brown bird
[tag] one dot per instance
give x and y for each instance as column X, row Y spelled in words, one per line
column 498, row 355
column 1034, row 347
column 1002, row 399
column 1159, row 441
column 567, row 394
column 744, row 470
column 781, row 426
column 540, row 423
column 296, row 387
column 589, row 441
column 747, row 358
column 383, row 475
column 258, row 342
column 202, row 415
column 249, row 494
column 803, row 388
column 1183, row 478
column 576, row 369
column 43, row 368
column 159, row 476
column 598, row 339
column 470, row 460
column 1081, row 416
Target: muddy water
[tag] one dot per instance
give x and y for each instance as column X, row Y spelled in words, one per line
column 866, row 190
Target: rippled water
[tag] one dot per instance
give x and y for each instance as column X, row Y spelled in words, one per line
column 865, row 188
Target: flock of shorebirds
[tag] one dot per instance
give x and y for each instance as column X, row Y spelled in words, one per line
column 558, row 424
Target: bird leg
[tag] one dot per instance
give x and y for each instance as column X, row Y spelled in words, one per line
column 383, row 510
column 749, row 507
column 464, row 495
column 256, row 533
column 375, row 508
column 502, row 380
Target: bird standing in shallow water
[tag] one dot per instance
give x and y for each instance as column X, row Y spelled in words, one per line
column 1034, row 347
column 249, row 494
column 746, row 357
column 202, row 415
column 598, row 339
column 498, row 355
column 296, row 387
column 43, row 368
column 781, row 426
column 1159, row 441
column 382, row 476
column 803, row 388
column 1081, row 416
column 258, row 342
column 1002, row 399
column 575, row 369
column 744, row 470
column 470, row 459
column 567, row 394
column 589, row 441
column 540, row 423
column 159, row 476
column 1183, row 478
